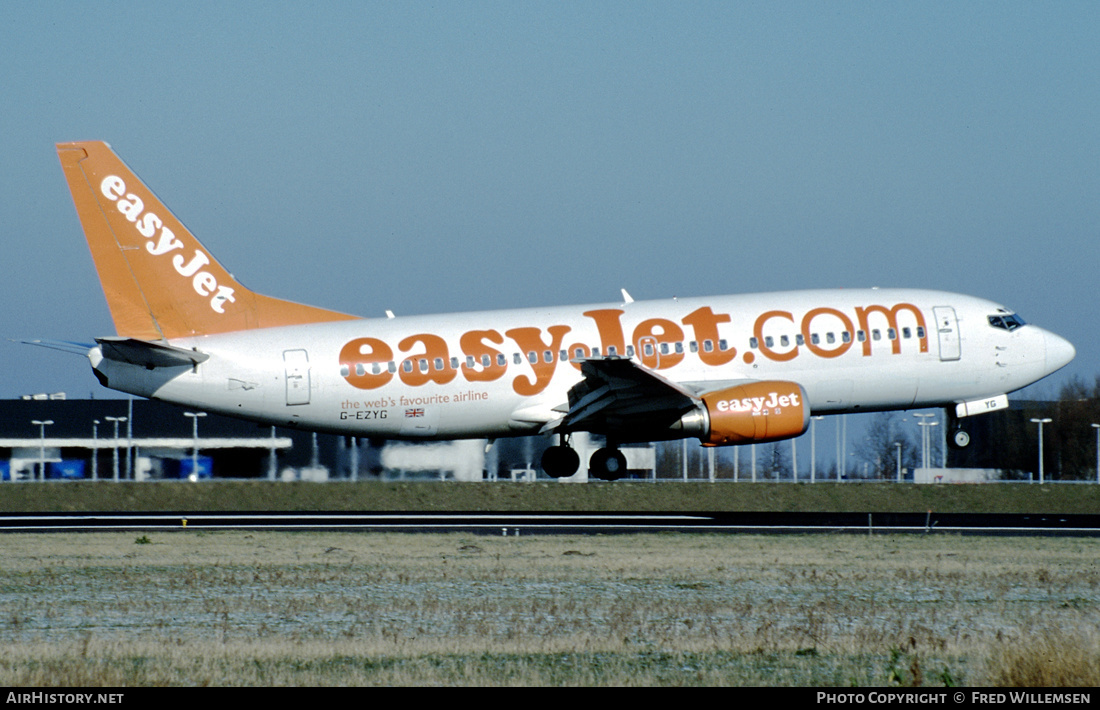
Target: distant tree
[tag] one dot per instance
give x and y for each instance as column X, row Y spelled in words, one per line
column 878, row 452
column 1073, row 439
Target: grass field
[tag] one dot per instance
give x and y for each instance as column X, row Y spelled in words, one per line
column 331, row 608
column 633, row 496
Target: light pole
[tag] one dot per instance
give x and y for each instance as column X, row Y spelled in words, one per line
column 1041, row 422
column 925, row 437
column 898, row 444
column 95, row 449
column 195, row 442
column 841, row 462
column 1097, row 428
column 813, row 447
column 42, row 424
column 114, row 456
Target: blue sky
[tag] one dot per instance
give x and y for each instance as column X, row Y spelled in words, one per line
column 470, row 155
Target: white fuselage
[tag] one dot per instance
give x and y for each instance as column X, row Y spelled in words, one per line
column 503, row 373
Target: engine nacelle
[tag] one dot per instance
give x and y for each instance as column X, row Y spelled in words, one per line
column 756, row 412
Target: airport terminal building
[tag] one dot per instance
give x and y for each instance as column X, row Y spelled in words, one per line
column 51, row 437
column 48, row 437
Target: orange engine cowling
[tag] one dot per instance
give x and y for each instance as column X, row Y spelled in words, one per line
column 755, row 412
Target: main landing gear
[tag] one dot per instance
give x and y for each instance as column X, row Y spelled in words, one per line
column 608, row 464
column 561, row 461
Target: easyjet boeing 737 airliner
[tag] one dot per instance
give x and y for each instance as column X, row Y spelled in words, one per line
column 724, row 369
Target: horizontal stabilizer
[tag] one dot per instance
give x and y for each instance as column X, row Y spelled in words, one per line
column 147, row 354
column 66, row 346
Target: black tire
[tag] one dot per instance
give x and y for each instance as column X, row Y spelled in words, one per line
column 960, row 439
column 607, row 464
column 560, row 461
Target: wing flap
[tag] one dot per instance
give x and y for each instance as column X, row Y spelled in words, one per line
column 621, row 399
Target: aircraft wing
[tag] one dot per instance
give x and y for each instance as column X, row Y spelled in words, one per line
column 620, row 398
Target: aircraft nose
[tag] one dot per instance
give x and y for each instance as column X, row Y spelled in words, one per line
column 1059, row 351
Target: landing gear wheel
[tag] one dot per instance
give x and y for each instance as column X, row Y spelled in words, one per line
column 608, row 464
column 960, row 439
column 560, row 461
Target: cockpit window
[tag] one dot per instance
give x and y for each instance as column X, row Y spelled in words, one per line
column 1009, row 322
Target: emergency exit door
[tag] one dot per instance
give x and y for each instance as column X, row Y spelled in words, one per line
column 297, row 376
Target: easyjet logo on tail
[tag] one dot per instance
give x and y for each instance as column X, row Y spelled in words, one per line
column 163, row 241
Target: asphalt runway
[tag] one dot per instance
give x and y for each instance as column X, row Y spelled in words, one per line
column 512, row 523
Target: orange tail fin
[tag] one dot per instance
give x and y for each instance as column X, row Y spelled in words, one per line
column 160, row 282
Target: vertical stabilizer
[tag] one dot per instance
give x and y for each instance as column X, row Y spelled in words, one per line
column 160, row 282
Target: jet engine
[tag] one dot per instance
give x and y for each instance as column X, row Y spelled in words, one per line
column 755, row 412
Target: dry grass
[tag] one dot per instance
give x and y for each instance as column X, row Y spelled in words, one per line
column 235, row 608
column 1052, row 657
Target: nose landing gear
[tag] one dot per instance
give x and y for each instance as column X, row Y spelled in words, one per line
column 959, row 437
